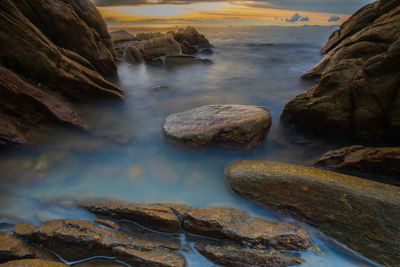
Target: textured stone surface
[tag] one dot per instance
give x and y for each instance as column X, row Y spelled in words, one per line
column 226, row 125
column 357, row 95
column 233, row 224
column 122, row 36
column 372, row 160
column 245, row 257
column 191, row 40
column 34, row 263
column 160, row 46
column 76, row 239
column 159, row 217
column 362, row 214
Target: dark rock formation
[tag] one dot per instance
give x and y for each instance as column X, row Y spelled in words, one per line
column 372, row 160
column 191, row 40
column 357, row 95
column 244, row 257
column 237, row 225
column 362, row 214
column 53, row 48
column 226, row 125
column 179, row 60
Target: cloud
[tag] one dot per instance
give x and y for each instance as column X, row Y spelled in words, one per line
column 296, row 17
column 333, row 18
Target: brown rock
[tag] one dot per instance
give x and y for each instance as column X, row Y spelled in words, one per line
column 373, row 160
column 133, row 55
column 233, row 224
column 362, row 214
column 122, row 36
column 226, row 125
column 156, row 216
column 357, row 94
column 78, row 239
column 160, row 46
column 191, row 40
column 33, row 263
column 245, row 257
column 108, row 223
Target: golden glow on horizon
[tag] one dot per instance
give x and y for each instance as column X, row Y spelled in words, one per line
column 235, row 13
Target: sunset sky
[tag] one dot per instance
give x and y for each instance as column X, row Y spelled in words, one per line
column 131, row 13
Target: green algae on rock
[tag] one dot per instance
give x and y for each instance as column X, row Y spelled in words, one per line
column 239, row 126
column 362, row 214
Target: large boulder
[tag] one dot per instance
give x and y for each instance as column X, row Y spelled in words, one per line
column 53, row 48
column 237, row 225
column 160, row 46
column 191, row 40
column 77, row 239
column 226, row 125
column 357, row 95
column 362, row 214
column 372, row 160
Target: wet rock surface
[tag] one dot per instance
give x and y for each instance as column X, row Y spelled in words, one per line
column 33, row 263
column 362, row 214
column 371, row 160
column 236, row 225
column 228, row 255
column 225, row 125
column 357, row 95
column 51, row 48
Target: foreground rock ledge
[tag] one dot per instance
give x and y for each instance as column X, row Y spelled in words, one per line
column 362, row 214
column 240, row 126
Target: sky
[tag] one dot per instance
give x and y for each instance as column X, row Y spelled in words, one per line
column 159, row 13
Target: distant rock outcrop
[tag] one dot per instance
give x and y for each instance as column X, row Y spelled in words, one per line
column 51, row 51
column 358, row 94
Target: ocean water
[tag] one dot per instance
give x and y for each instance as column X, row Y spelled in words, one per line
column 125, row 155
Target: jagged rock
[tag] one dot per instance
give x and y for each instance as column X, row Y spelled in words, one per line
column 237, row 225
column 14, row 248
column 373, row 160
column 34, row 263
column 245, row 257
column 191, row 40
column 78, row 239
column 122, row 36
column 362, row 214
column 161, row 217
column 58, row 47
column 160, row 46
column 226, row 125
column 357, row 95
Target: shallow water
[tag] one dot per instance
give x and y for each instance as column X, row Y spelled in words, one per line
column 126, row 156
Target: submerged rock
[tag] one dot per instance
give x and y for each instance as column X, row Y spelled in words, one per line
column 78, row 239
column 362, row 214
column 373, row 160
column 246, row 257
column 34, row 263
column 225, row 125
column 237, row 225
column 161, row 217
column 357, row 95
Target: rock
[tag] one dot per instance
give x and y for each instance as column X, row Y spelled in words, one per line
column 180, row 60
column 362, row 214
column 245, row 257
column 156, row 216
column 373, row 160
column 191, row 40
column 13, row 248
column 357, row 95
column 237, row 225
column 34, row 263
column 50, row 49
column 226, row 125
column 148, row 35
column 100, row 263
column 133, row 55
column 160, row 46
column 122, row 36
column 78, row 239
column 9, row 221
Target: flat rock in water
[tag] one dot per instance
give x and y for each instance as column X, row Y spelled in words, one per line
column 34, row 263
column 237, row 225
column 242, row 126
column 78, row 239
column 373, row 160
column 362, row 214
column 246, row 257
column 159, row 217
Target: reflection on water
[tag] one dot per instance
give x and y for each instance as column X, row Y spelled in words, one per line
column 125, row 155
